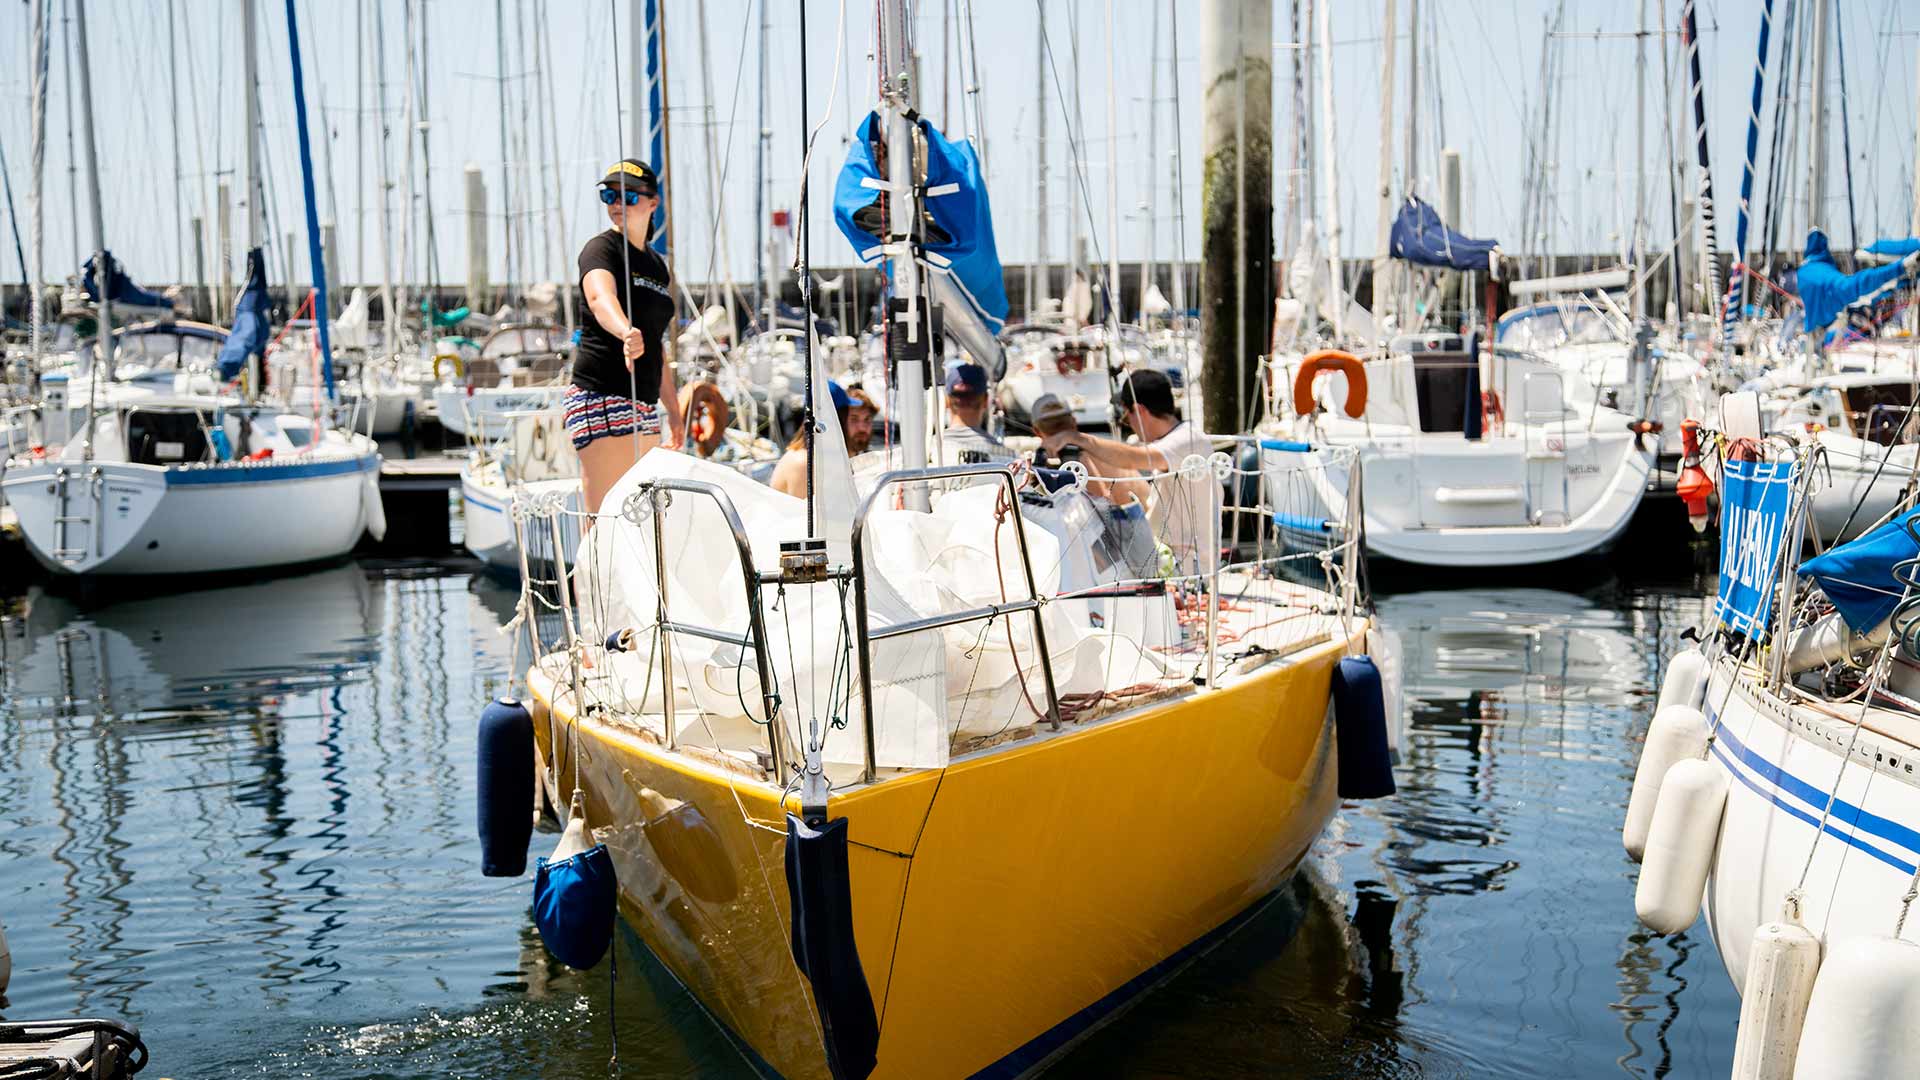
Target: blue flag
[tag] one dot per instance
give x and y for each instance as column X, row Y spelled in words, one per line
column 1754, row 504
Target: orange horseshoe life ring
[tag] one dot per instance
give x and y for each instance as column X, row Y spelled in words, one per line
column 1331, row 360
column 706, row 413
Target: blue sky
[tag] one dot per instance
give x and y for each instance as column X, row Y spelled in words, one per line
column 1480, row 74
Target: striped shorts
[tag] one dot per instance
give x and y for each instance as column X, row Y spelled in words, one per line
column 591, row 416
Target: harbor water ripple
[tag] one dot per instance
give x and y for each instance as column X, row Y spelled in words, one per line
column 241, row 817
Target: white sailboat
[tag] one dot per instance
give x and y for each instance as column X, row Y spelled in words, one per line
column 200, row 483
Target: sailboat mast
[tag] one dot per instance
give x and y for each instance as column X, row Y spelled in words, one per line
column 36, row 196
column 551, row 131
column 389, row 315
column 895, row 56
column 360, row 139
column 1113, row 196
column 762, row 260
column 1639, row 239
column 1333, row 168
column 1153, row 147
column 506, row 156
column 316, row 248
column 1040, row 280
column 102, row 271
column 173, row 101
column 1383, row 257
column 73, row 159
column 1817, row 120
column 249, row 92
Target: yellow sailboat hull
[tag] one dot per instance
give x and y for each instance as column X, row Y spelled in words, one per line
column 1004, row 905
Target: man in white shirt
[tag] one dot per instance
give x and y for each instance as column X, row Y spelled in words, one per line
column 1186, row 506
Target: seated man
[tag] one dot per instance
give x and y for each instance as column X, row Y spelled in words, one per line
column 1052, row 416
column 1185, row 511
column 966, row 432
column 860, row 416
column 790, row 475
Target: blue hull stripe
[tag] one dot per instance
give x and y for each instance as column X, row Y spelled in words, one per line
column 475, row 501
column 264, row 473
column 1831, row 829
column 1861, row 820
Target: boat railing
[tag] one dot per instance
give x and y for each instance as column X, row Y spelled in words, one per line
column 865, row 635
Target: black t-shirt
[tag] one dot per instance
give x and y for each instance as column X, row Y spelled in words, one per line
column 599, row 363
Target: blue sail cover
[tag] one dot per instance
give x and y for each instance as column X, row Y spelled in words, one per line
column 249, row 334
column 1825, row 292
column 1419, row 236
column 120, row 287
column 1895, row 249
column 1858, row 575
column 959, row 239
column 1753, row 519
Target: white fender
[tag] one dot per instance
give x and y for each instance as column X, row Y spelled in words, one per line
column 1678, row 733
column 373, row 510
column 1781, row 965
column 1686, row 681
column 1860, row 1021
column 1680, row 843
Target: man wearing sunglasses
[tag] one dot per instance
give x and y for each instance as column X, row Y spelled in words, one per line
column 1185, row 509
column 621, row 383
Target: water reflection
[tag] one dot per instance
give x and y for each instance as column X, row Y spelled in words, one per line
column 254, row 803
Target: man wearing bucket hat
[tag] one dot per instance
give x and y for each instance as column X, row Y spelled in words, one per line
column 621, row 382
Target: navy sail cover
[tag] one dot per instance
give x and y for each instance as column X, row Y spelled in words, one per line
column 250, row 319
column 120, row 287
column 1420, row 237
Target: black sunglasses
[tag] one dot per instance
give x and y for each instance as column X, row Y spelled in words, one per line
column 610, row 196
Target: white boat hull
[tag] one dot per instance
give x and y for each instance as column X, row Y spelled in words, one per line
column 1784, row 764
column 152, row 519
column 489, row 522
column 488, row 414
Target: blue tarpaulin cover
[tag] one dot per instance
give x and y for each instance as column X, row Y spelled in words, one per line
column 1858, row 575
column 249, row 334
column 1754, row 507
column 1419, row 236
column 120, row 287
column 1826, row 292
column 959, row 238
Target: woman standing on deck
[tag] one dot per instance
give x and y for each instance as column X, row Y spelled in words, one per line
column 621, row 382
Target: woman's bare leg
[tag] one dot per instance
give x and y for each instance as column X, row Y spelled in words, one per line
column 605, row 460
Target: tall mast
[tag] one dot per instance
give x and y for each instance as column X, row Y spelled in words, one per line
column 316, row 248
column 1077, row 147
column 762, row 260
column 1153, row 147
column 359, row 139
column 432, row 252
column 1410, row 166
column 102, row 272
column 1113, row 193
column 250, row 98
column 1043, row 272
column 1327, row 153
column 1914, row 224
column 1639, row 240
column 389, row 315
column 1817, row 119
column 716, row 190
column 550, row 124
column 73, row 159
column 506, row 156
column 1174, row 165
column 1383, row 257
column 895, row 55
column 36, row 315
column 173, row 100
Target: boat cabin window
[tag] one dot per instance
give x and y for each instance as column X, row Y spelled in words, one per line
column 1877, row 411
column 166, row 437
column 1443, row 378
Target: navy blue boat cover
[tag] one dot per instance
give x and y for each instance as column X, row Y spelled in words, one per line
column 1825, row 292
column 249, row 334
column 1419, row 236
column 820, row 895
column 120, row 287
column 959, row 234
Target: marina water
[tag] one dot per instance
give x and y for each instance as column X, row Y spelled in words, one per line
column 241, row 817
